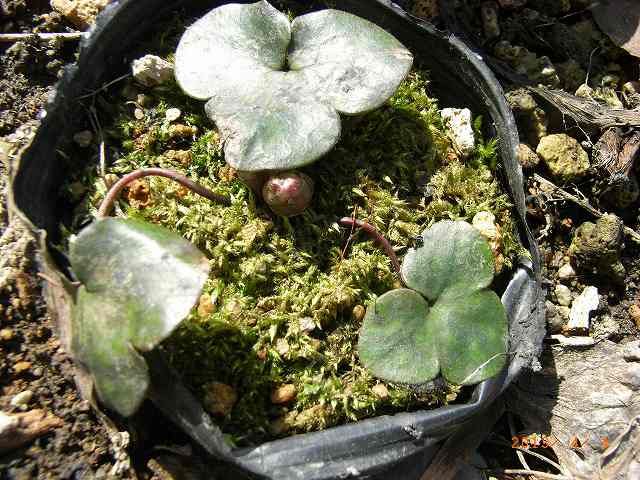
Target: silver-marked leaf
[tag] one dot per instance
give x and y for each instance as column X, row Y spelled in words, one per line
column 352, row 63
column 274, row 118
column 139, row 281
column 395, row 342
column 472, row 335
column 229, row 45
column 452, row 253
column 277, row 126
column 463, row 335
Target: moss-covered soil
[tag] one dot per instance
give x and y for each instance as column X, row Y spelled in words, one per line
column 271, row 346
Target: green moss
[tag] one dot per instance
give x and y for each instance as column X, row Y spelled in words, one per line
column 273, row 278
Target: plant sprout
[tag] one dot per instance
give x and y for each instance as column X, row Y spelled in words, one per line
column 276, row 88
column 138, row 281
column 447, row 321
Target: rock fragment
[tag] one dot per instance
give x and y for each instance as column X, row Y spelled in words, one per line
column 563, row 295
column 82, row 13
column 489, row 16
column 485, row 223
column 206, row 306
column 83, row 139
column 172, row 114
column 564, row 157
column 425, row 9
column 22, row 399
column 359, row 312
column 458, row 121
column 532, row 120
column 527, row 157
column 219, row 398
column 151, row 70
column 380, row 391
column 596, row 247
column 634, row 313
column 581, row 308
column 574, row 341
column 631, row 352
column 566, row 272
column 283, row 394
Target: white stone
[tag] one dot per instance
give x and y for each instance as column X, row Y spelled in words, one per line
column 563, row 295
column 458, row 120
column 7, row 424
column 307, row 324
column 485, row 223
column 582, row 306
column 566, row 272
column 631, row 352
column 173, row 114
column 22, row 398
column 574, row 341
column 151, row 70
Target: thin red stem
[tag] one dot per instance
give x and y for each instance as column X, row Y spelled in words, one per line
column 116, row 189
column 375, row 235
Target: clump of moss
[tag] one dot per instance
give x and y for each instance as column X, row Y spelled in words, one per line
column 285, row 297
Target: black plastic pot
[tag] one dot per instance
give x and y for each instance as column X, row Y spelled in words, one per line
column 399, row 446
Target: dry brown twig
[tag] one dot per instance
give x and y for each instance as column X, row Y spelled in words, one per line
column 530, row 473
column 588, row 112
column 582, row 203
column 17, row 37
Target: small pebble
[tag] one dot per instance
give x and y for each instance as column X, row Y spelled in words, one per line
column 555, row 322
column 581, row 308
column 359, row 312
column 307, row 324
column 283, row 394
column 83, row 138
column 173, row 114
column 205, row 305
column 22, row 399
column 566, row 272
column 219, row 398
column 631, row 352
column 459, row 124
column 7, row 424
column 282, row 347
column 634, row 313
column 144, row 101
column 489, row 15
column 110, row 179
column 151, row 70
column 21, row 367
column 563, row 295
column 6, row 334
column 527, row 157
column 380, row 391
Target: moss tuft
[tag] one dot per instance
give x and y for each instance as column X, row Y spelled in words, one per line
column 279, row 307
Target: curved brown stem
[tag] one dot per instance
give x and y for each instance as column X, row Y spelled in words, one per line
column 114, row 191
column 375, row 235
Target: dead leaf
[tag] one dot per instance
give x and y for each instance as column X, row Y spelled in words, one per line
column 580, row 398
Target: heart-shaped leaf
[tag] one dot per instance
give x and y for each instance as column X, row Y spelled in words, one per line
column 463, row 334
column 139, row 281
column 276, row 88
column 349, row 62
column 277, row 126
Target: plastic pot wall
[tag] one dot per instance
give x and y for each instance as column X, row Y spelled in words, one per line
column 399, row 446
